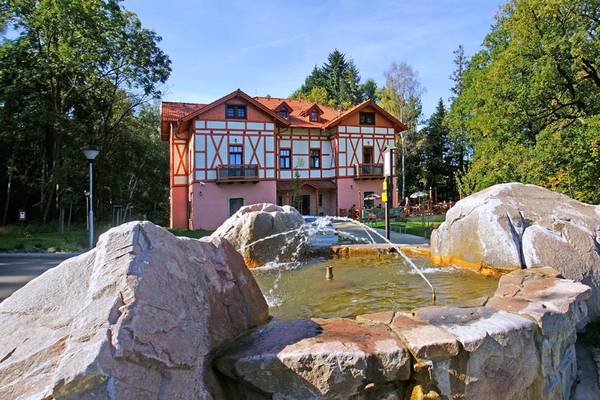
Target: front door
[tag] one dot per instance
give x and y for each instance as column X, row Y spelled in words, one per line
column 302, row 204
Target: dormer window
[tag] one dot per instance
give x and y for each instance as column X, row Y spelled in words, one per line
column 284, row 110
column 314, row 115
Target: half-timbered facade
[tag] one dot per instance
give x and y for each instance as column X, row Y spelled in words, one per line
column 241, row 150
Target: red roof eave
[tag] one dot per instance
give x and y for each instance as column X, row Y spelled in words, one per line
column 184, row 122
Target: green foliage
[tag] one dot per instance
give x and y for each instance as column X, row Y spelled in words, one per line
column 530, row 99
column 80, row 72
column 437, row 161
column 401, row 97
column 339, row 80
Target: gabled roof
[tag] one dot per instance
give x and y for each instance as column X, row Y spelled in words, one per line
column 398, row 125
column 299, row 112
column 307, row 111
column 184, row 121
column 295, row 118
column 285, row 105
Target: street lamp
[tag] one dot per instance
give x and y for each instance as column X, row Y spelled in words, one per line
column 91, row 152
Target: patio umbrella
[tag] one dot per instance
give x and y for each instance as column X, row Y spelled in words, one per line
column 417, row 195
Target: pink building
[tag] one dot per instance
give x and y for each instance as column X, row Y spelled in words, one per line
column 241, row 150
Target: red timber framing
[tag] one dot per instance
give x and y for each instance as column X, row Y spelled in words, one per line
column 213, row 144
column 350, row 146
column 200, row 137
column 311, row 139
column 179, row 166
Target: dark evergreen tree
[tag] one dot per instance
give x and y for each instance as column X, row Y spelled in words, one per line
column 340, row 78
column 437, row 168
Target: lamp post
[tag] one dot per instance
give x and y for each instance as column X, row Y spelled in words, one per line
column 91, row 152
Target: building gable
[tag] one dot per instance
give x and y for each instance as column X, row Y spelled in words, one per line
column 383, row 119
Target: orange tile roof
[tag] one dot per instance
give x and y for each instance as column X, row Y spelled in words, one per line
column 298, row 106
column 298, row 117
column 173, row 111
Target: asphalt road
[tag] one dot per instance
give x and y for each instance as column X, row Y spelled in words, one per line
column 18, row 269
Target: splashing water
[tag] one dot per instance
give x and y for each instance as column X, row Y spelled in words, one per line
column 322, row 225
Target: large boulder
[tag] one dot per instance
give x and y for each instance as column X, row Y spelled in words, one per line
column 281, row 225
column 513, row 226
column 138, row 317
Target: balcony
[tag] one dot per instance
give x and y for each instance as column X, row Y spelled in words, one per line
column 368, row 171
column 237, row 173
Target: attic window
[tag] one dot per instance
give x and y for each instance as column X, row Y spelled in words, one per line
column 367, row 118
column 235, row 111
column 283, row 112
column 314, row 115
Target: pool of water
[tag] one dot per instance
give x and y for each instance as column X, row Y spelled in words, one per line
column 363, row 285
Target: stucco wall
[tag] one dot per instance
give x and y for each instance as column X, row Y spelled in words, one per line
column 210, row 202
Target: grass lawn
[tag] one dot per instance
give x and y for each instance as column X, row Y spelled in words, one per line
column 45, row 238
column 413, row 225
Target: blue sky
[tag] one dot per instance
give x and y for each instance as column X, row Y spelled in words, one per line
column 268, row 47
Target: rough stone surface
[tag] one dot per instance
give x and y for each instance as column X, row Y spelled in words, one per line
column 513, row 225
column 138, row 317
column 519, row 346
column 495, row 347
column 558, row 307
column 259, row 221
column 304, row 359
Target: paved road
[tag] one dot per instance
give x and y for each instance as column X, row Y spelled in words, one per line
column 18, row 269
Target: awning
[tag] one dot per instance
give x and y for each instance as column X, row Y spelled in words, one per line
column 286, row 186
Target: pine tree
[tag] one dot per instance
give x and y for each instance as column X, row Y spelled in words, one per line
column 458, row 131
column 340, row 79
column 436, row 165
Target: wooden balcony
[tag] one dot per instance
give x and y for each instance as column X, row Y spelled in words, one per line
column 237, row 173
column 368, row 171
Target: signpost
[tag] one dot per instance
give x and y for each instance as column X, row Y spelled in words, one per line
column 386, row 194
column 22, row 219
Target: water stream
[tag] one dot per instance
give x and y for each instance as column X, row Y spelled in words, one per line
column 294, row 287
column 324, row 225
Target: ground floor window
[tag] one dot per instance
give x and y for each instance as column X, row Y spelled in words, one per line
column 235, row 204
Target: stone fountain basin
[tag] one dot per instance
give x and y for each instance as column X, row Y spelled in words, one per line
column 364, row 284
column 520, row 345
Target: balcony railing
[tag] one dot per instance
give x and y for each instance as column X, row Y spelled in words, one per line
column 237, row 173
column 368, row 171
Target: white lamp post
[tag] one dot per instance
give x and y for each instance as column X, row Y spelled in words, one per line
column 91, row 152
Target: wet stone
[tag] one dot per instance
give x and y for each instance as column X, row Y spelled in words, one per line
column 307, row 358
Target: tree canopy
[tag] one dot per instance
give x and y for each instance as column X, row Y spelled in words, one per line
column 529, row 101
column 76, row 72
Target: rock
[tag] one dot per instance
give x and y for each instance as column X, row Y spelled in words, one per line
column 139, row 316
column 258, row 221
column 330, row 359
column 470, row 353
column 511, row 226
column 558, row 307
